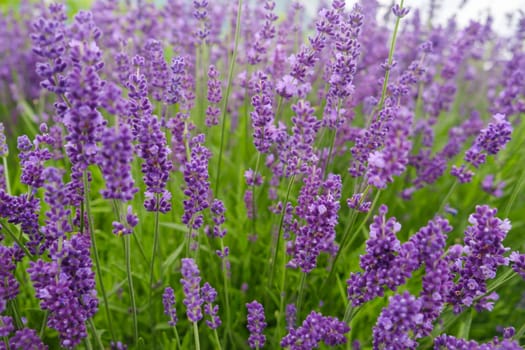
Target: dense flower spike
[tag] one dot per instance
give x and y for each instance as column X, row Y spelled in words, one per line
column 168, row 300
column 256, row 324
column 198, row 185
column 401, row 317
column 115, row 161
column 315, row 329
column 192, row 291
column 318, row 206
column 209, row 294
column 66, row 288
column 3, row 142
column 262, row 115
column 482, row 255
column 214, row 97
column 156, row 166
column 490, row 140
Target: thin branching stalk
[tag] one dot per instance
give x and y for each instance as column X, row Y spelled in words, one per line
column 227, row 94
column 127, row 253
column 275, row 249
column 95, row 253
column 390, row 60
column 153, row 255
column 6, row 176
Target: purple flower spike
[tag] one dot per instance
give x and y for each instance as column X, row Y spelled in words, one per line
column 395, row 323
column 209, row 294
column 168, row 300
column 399, row 11
column 490, row 140
column 3, row 142
column 214, row 97
column 256, row 324
column 315, row 329
column 26, row 339
column 483, row 254
column 191, row 286
column 115, row 161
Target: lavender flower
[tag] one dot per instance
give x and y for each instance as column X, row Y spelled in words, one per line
column 262, row 114
column 256, row 324
column 26, row 339
column 10, row 287
column 198, row 185
column 3, row 142
column 518, row 263
column 483, row 254
column 115, row 161
column 32, row 160
column 318, row 206
column 494, row 189
column 168, row 300
column 209, row 294
column 396, row 321
column 315, row 329
column 490, row 140
column 66, row 288
column 152, row 148
column 191, row 286
column 214, row 97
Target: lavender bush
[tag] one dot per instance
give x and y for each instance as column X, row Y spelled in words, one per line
column 232, row 175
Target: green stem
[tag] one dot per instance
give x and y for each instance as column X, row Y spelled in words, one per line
column 278, row 239
column 43, row 325
column 153, row 255
column 227, row 94
column 6, row 175
column 127, row 253
column 254, row 212
column 346, row 234
column 514, row 195
column 16, row 314
column 95, row 334
column 19, row 242
column 196, row 336
column 447, row 196
column 95, row 253
column 177, row 338
column 226, row 289
column 301, row 293
column 217, row 339
column 390, row 59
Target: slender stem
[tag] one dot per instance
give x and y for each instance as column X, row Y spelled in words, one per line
column 514, row 195
column 127, row 253
column 301, row 293
column 6, row 175
column 177, row 338
column 16, row 314
column 43, row 325
column 226, row 289
column 153, row 255
column 276, row 247
column 390, row 59
column 19, row 242
column 87, row 343
column 447, row 196
column 95, row 253
column 332, row 145
column 196, row 336
column 254, row 212
column 217, row 339
column 227, row 94
column 96, row 335
column 348, row 313
column 346, row 240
